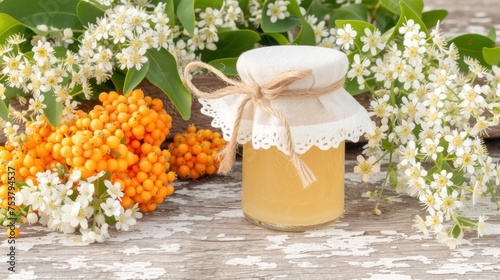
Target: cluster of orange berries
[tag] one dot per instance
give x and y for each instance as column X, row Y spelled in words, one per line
column 192, row 152
column 122, row 135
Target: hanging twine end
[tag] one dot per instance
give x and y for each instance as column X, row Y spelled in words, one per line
column 226, row 157
column 305, row 173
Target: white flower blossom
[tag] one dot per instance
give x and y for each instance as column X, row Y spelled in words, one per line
column 366, row 167
column 346, row 36
column 278, row 10
column 372, row 41
column 111, row 208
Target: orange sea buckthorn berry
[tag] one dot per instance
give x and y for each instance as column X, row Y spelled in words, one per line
column 113, row 142
column 12, row 232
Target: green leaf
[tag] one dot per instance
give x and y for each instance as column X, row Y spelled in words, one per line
column 134, row 77
column 170, row 10
column 118, row 80
column 53, row 110
column 472, row 45
column 458, row 177
column 306, row 35
column 232, row 44
column 226, row 65
column 9, row 26
column 274, row 39
column 203, row 4
column 431, row 18
column 51, row 13
column 283, row 25
column 351, row 12
column 492, row 34
column 394, row 6
column 408, row 13
column 88, row 12
column 352, row 87
column 244, row 5
column 492, row 55
column 456, row 231
column 466, row 222
column 100, row 187
column 318, row 9
column 163, row 74
column 185, row 13
column 4, row 110
column 384, row 20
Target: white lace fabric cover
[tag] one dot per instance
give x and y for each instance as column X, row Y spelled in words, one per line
column 324, row 121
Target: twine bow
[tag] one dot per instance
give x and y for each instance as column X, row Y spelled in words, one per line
column 278, row 87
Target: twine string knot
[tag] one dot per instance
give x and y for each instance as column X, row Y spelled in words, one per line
column 278, row 87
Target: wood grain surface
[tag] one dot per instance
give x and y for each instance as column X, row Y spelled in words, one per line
column 200, row 233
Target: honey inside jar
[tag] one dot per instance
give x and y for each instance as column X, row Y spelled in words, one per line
column 274, row 197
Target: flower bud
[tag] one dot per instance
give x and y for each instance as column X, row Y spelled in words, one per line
column 32, row 218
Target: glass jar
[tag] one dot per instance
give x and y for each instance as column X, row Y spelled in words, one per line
column 292, row 116
column 273, row 195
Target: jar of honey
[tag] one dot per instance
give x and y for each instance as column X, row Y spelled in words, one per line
column 292, row 116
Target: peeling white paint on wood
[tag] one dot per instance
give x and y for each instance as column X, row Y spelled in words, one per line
column 252, row 261
column 192, row 238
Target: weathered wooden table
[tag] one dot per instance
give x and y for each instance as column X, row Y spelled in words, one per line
column 200, row 233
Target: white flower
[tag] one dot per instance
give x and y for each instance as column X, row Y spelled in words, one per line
column 411, row 76
column 196, row 42
column 408, row 153
column 32, row 218
column 435, row 221
column 43, row 53
column 233, row 14
column 404, row 131
column 381, row 107
column 478, row 191
column 114, row 190
column 12, row 63
column 278, row 10
column 466, row 162
column 75, row 215
column 359, row 70
column 111, row 207
column 431, row 148
column 100, row 219
column 450, row 241
column 457, row 142
column 416, row 182
column 481, row 225
column 450, row 204
column 472, row 96
column 372, row 41
column 135, row 211
column 442, row 180
column 409, row 27
column 88, row 235
column 125, row 220
column 320, row 31
column 366, row 167
column 379, row 133
column 431, row 201
column 36, row 104
column 210, row 18
column 10, row 129
column 420, row 225
column 345, row 36
column 2, row 92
